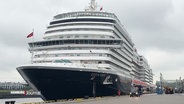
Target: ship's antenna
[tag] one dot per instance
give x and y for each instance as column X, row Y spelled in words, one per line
column 92, row 6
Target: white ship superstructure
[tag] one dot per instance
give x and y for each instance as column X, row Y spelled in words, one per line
column 88, row 38
column 141, row 69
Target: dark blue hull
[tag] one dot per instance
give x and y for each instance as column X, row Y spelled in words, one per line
column 57, row 83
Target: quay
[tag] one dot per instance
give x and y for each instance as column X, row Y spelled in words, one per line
column 144, row 99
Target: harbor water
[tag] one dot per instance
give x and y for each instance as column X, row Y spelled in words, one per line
column 21, row 100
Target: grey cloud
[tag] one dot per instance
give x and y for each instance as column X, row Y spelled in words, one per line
column 150, row 23
column 12, row 57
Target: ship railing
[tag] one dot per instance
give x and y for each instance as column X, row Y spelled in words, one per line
column 81, row 14
column 87, row 66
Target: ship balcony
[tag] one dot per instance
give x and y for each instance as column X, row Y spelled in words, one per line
column 79, row 27
column 101, row 58
column 73, row 46
column 77, row 33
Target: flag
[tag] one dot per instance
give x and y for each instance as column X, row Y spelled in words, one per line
column 101, row 9
column 30, row 35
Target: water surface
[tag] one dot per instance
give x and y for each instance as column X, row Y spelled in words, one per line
column 21, row 100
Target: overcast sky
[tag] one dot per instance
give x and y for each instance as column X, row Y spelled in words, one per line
column 155, row 26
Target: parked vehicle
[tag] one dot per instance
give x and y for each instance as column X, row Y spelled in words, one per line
column 134, row 94
column 169, row 90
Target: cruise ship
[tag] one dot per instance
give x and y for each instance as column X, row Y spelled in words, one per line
column 85, row 54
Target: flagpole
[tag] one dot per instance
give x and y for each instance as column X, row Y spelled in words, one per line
column 32, row 53
column 33, row 35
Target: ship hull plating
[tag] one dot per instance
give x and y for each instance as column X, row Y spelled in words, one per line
column 61, row 83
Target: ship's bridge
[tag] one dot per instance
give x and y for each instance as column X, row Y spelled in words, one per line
column 76, row 42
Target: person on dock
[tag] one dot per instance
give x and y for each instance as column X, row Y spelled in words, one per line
column 119, row 92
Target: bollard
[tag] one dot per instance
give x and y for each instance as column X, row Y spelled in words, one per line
column 9, row 102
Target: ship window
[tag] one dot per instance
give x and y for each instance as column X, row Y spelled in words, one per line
column 45, row 43
column 84, row 19
column 85, row 41
column 65, row 41
column 107, row 42
column 90, row 41
column 57, row 42
column 69, row 41
column 102, row 36
column 95, row 41
column 110, row 42
column 81, row 41
column 77, row 36
column 77, row 41
column 61, row 37
column 111, row 37
column 72, row 41
column 103, row 41
column 99, row 62
column 53, row 42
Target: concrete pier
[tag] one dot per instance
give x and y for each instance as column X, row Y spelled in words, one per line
column 144, row 99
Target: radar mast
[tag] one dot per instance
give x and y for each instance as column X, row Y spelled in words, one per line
column 92, row 6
